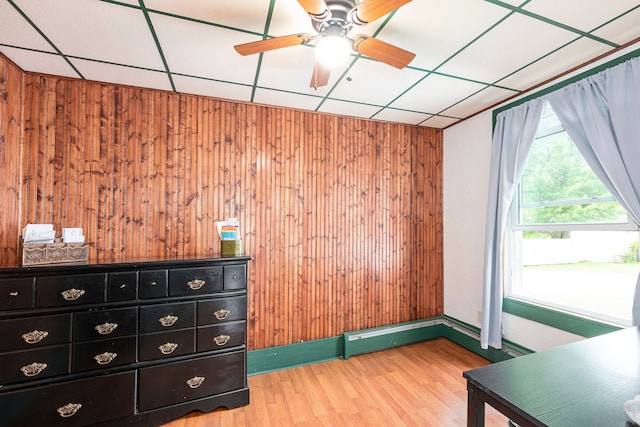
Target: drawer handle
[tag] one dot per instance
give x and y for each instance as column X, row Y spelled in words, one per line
column 105, row 358
column 34, row 336
column 69, row 410
column 153, row 284
column 195, row 382
column 33, row 369
column 222, row 314
column 106, row 328
column 235, row 277
column 168, row 320
column 195, row 284
column 222, row 339
column 72, row 294
column 168, row 347
column 14, row 293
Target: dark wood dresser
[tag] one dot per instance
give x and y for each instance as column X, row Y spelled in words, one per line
column 129, row 343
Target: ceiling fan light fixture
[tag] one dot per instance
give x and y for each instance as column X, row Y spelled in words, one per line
column 333, row 50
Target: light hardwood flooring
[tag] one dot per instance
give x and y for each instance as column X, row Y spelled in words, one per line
column 415, row 385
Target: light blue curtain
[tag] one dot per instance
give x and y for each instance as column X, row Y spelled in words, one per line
column 512, row 141
column 601, row 113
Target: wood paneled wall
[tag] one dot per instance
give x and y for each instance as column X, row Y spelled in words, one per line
column 342, row 217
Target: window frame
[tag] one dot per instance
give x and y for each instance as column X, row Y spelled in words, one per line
column 513, row 255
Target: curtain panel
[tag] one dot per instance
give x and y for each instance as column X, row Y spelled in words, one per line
column 601, row 113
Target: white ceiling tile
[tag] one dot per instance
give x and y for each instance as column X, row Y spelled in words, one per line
column 286, row 99
column 212, row 88
column 16, row 31
column 376, row 83
column 110, row 73
column 96, row 30
column 289, row 18
column 507, row 48
column 550, row 66
column 439, row 122
column 400, row 116
column 584, row 15
column 348, row 109
column 436, row 93
column 435, row 30
column 479, row 101
column 204, row 50
column 246, row 14
column 623, row 30
column 30, row 60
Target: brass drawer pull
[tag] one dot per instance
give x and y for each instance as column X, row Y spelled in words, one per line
column 105, row 358
column 195, row 284
column 195, row 382
column 168, row 320
column 168, row 347
column 33, row 369
column 106, row 328
column 222, row 339
column 72, row 294
column 222, row 314
column 34, row 337
column 69, row 410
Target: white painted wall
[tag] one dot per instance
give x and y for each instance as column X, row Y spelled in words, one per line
column 467, row 147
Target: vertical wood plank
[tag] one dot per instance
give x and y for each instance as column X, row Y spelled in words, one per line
column 342, row 216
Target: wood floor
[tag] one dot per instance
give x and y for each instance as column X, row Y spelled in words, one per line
column 415, row 385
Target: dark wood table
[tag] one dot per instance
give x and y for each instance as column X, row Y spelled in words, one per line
column 580, row 384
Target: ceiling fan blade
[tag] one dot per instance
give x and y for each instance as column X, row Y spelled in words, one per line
column 382, row 51
column 320, row 76
column 271, row 44
column 370, row 10
column 314, row 7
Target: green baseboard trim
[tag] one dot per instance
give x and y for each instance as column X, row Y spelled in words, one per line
column 575, row 324
column 292, row 355
column 376, row 339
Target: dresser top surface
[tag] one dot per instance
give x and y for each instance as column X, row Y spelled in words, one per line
column 125, row 263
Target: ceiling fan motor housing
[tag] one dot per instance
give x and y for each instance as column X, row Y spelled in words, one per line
column 338, row 22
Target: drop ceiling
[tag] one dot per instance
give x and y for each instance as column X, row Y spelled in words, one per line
column 470, row 54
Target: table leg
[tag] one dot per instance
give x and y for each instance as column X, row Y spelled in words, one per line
column 475, row 408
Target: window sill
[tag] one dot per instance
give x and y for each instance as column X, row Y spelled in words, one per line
column 573, row 323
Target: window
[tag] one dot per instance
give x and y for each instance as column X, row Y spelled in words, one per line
column 571, row 245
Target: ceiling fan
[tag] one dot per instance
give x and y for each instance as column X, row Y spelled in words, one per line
column 333, row 20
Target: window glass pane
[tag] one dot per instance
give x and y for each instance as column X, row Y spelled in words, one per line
column 558, row 187
column 587, row 272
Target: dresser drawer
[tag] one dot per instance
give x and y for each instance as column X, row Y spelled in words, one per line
column 162, row 345
column 16, row 293
column 72, row 404
column 192, row 379
column 33, row 332
column 221, row 336
column 33, row 364
column 54, row 291
column 235, row 277
column 153, row 284
column 123, row 286
column 163, row 317
column 222, row 310
column 199, row 280
column 103, row 354
column 105, row 324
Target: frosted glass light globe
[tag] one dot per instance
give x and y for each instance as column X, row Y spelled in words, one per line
column 333, row 50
